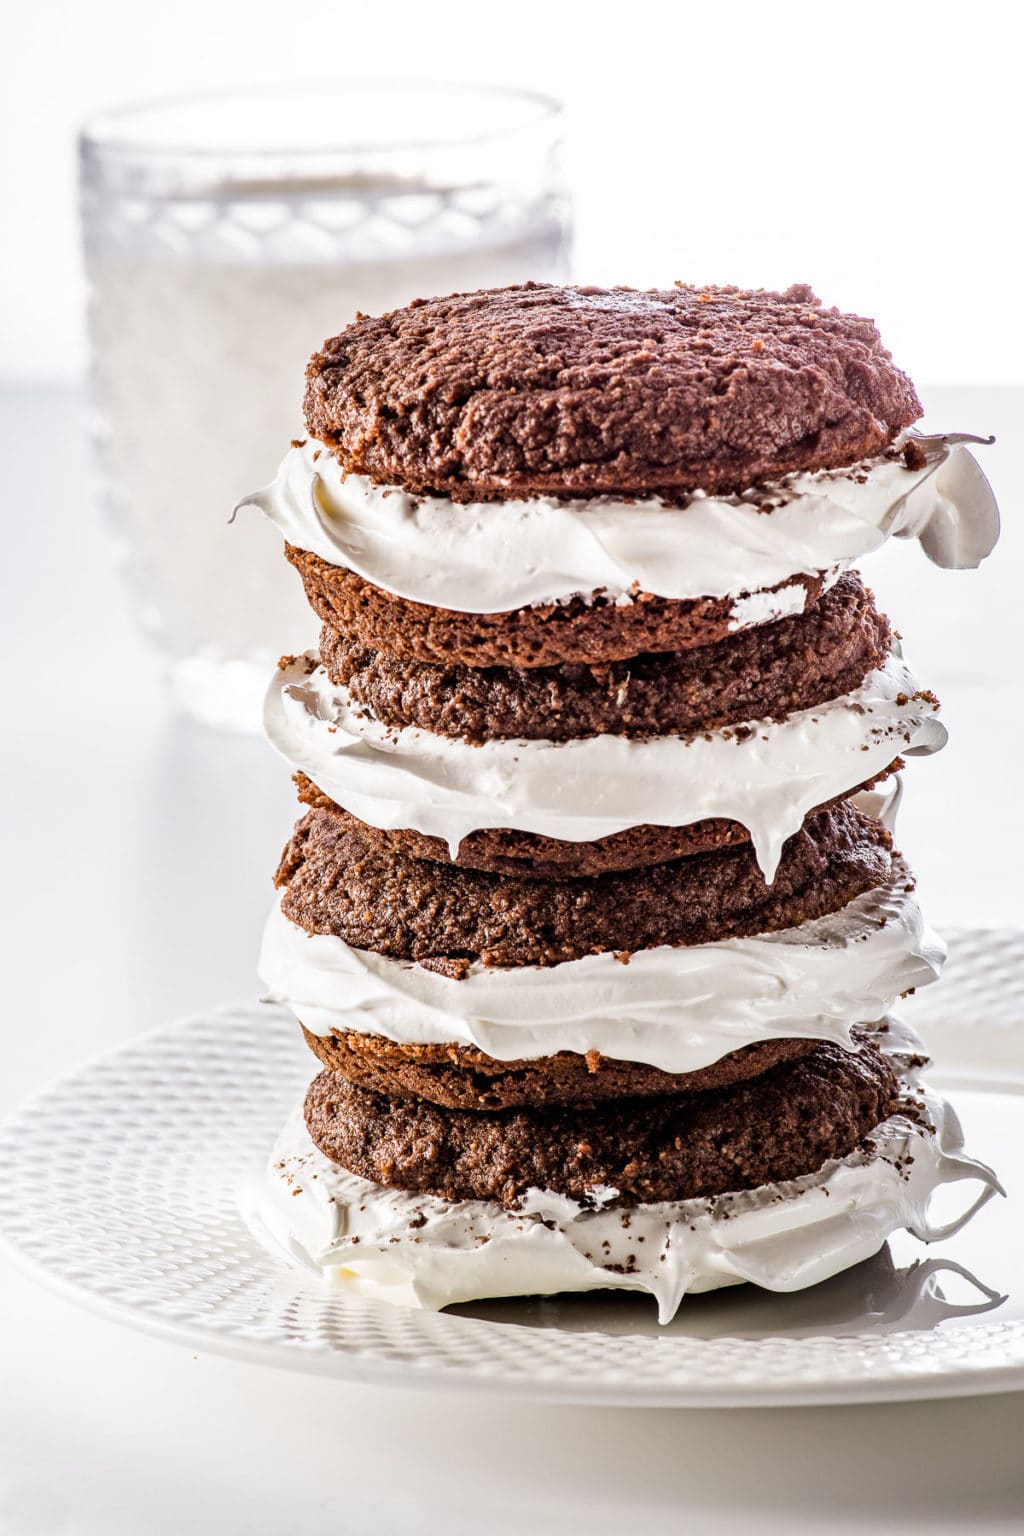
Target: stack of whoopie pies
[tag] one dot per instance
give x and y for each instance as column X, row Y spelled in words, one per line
column 593, row 917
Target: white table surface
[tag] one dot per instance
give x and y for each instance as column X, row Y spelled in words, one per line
column 139, row 849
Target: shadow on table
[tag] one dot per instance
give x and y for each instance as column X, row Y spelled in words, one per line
column 873, row 1297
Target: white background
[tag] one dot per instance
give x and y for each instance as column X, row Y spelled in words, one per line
column 871, row 149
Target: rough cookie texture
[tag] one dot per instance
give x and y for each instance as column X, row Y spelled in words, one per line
column 503, row 850
column 587, row 631
column 338, row 882
column 764, row 673
column 785, row 1123
column 463, row 1077
column 543, row 390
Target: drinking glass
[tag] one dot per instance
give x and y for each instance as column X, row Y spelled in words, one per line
column 226, row 236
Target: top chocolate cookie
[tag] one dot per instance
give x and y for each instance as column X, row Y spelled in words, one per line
column 543, row 390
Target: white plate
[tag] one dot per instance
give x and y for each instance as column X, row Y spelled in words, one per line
column 124, row 1188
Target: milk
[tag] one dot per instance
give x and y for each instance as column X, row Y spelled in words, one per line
column 203, row 315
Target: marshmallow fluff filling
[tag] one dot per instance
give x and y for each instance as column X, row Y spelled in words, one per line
column 675, row 1007
column 421, row 1251
column 497, row 556
column 764, row 774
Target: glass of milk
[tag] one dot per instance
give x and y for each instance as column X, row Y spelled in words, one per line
column 226, row 236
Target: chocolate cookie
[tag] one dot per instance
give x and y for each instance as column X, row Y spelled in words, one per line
column 504, row 851
column 593, row 630
column 786, row 1123
column 339, row 882
column 541, row 390
column 463, row 1077
column 764, row 673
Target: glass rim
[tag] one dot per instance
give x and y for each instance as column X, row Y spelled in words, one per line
column 105, row 132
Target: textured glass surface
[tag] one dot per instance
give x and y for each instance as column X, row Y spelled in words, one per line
column 214, row 272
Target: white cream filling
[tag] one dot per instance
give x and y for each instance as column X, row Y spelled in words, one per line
column 765, row 774
column 678, row 1007
column 419, row 1251
column 496, row 556
column 765, row 607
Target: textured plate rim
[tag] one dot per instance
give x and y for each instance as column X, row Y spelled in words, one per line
column 363, row 1370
